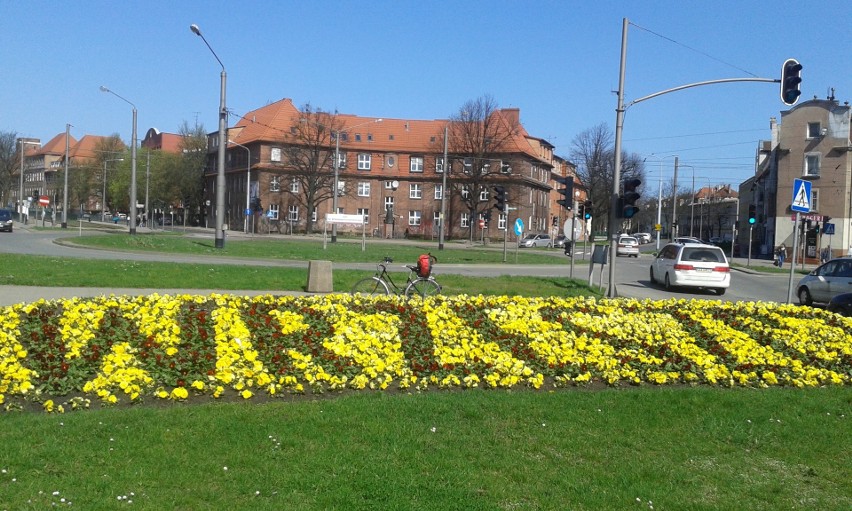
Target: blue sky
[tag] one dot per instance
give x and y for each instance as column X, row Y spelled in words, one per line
column 557, row 61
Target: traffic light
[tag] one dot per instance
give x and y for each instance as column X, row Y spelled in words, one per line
column 627, row 201
column 486, row 216
column 255, row 204
column 500, row 198
column 791, row 79
column 587, row 209
column 816, row 227
column 567, row 200
column 752, row 214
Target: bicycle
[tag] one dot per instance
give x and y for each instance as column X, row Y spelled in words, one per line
column 382, row 283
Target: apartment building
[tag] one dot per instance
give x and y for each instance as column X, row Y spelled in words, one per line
column 812, row 142
column 279, row 168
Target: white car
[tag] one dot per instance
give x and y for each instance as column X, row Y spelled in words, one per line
column 627, row 246
column 643, row 237
column 692, row 265
column 687, row 239
column 825, row 282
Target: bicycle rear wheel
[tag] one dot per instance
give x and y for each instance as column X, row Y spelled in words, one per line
column 371, row 286
column 422, row 288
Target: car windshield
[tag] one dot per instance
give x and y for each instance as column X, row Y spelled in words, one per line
column 702, row 254
column 5, row 214
column 530, row 237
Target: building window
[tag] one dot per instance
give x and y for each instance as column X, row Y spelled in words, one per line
column 293, row 213
column 273, row 212
column 814, row 130
column 501, row 221
column 416, row 164
column 341, row 188
column 465, row 192
column 357, row 137
column 274, row 185
column 811, row 164
column 439, row 164
column 436, row 218
column 439, row 192
column 388, row 185
column 314, row 215
column 388, row 203
column 414, row 218
column 465, row 220
column 483, row 194
column 341, row 160
column 365, row 213
column 468, row 165
column 505, row 168
column 364, row 189
column 415, row 191
column 294, row 186
column 364, row 160
column 391, row 160
column 814, row 199
column 275, row 154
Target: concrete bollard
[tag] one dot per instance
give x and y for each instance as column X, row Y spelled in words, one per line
column 320, row 277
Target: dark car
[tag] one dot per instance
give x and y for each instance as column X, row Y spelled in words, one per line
column 841, row 304
column 6, row 220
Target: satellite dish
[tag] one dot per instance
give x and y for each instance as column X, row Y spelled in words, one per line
column 395, row 184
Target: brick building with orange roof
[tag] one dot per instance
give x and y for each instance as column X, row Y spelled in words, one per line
column 391, row 171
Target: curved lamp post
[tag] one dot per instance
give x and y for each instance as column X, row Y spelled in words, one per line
column 21, row 196
column 220, row 160
column 132, row 215
column 248, row 182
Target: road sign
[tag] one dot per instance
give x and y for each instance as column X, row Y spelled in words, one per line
column 801, row 196
column 44, row 200
column 829, row 229
column 481, row 224
column 519, row 226
column 658, row 227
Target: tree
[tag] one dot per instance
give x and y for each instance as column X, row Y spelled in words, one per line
column 593, row 152
column 478, row 140
column 309, row 156
column 10, row 161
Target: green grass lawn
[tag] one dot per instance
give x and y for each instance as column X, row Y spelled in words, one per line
column 639, row 448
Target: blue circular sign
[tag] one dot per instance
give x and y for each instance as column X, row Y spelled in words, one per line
column 519, row 226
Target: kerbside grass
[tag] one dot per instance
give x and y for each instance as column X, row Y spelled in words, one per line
column 75, row 272
column 638, row 448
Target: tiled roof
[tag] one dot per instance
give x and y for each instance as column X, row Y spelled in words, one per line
column 86, row 148
column 56, row 145
column 273, row 122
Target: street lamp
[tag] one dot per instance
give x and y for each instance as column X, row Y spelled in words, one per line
column 103, row 196
column 132, row 164
column 248, row 183
column 337, row 167
column 220, row 162
column 64, row 223
column 660, row 197
column 445, row 169
column 21, row 196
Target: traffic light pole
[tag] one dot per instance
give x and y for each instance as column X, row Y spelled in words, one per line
column 793, row 257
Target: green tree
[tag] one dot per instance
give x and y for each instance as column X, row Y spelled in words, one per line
column 10, row 161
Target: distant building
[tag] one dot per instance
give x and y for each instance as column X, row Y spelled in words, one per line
column 390, row 171
column 159, row 141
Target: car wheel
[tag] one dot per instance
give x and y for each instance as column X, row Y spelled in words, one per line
column 549, row 245
column 805, row 297
column 720, row 291
column 652, row 277
column 668, row 284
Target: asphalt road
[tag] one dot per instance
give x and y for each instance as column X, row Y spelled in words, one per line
column 631, row 273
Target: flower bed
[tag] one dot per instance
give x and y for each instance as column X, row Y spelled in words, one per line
column 126, row 349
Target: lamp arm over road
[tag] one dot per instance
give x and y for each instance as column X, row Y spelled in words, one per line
column 132, row 215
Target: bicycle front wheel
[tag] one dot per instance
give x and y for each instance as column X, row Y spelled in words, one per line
column 422, row 288
column 371, row 286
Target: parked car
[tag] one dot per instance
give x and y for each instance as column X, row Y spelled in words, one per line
column 841, row 304
column 715, row 240
column 643, row 237
column 825, row 282
column 6, row 220
column 536, row 240
column 559, row 241
column 692, row 265
column 687, row 239
column 627, row 246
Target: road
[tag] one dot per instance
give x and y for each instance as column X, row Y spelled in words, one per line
column 631, row 273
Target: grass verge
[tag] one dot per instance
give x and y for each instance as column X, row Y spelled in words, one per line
column 641, row 448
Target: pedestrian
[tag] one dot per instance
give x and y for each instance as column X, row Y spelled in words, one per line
column 824, row 254
column 849, row 252
column 780, row 255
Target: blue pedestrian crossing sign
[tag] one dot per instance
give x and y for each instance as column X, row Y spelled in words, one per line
column 801, row 196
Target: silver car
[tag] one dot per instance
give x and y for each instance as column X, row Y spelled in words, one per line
column 825, row 282
column 536, row 240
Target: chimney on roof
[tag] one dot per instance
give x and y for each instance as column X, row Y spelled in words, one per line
column 513, row 115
